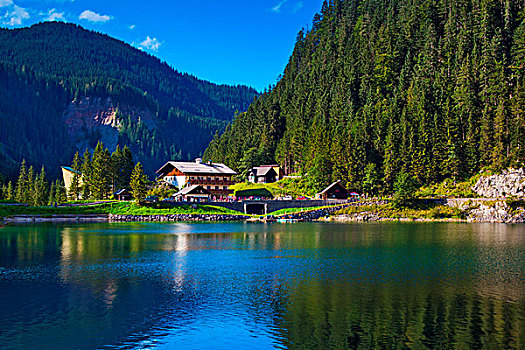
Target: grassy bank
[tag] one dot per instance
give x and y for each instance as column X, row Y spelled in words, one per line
column 299, row 210
column 284, row 187
column 119, row 208
column 417, row 210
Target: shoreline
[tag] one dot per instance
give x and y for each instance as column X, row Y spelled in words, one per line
column 113, row 218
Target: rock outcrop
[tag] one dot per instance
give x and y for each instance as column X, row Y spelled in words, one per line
column 510, row 183
column 93, row 115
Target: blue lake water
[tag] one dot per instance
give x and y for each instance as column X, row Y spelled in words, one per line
column 262, row 286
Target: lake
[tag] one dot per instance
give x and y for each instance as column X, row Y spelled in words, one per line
column 262, row 286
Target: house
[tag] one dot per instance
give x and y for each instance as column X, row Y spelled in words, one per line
column 214, row 177
column 334, row 191
column 122, row 195
column 67, row 174
column 193, row 193
column 265, row 174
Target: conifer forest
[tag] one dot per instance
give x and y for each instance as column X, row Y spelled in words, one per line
column 376, row 89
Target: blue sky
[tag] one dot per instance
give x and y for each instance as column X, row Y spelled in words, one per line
column 229, row 41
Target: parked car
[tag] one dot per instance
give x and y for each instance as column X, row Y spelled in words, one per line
column 302, row 198
column 287, row 198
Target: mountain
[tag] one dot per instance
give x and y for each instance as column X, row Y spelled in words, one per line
column 377, row 88
column 63, row 88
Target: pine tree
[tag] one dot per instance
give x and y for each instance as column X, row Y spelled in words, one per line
column 9, row 194
column 127, row 167
column 99, row 177
column 21, row 183
column 29, row 187
column 138, row 183
column 74, row 188
column 41, row 188
column 86, row 175
column 52, row 195
column 60, row 192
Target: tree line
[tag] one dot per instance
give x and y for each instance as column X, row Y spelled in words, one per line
column 378, row 89
column 33, row 188
column 96, row 176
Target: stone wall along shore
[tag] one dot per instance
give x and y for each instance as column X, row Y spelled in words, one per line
column 175, row 217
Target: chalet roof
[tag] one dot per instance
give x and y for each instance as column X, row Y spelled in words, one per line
column 190, row 189
column 337, row 183
column 262, row 170
column 200, row 168
column 71, row 170
column 121, row 191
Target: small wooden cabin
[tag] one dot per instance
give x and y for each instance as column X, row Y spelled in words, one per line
column 123, row 195
column 334, row 191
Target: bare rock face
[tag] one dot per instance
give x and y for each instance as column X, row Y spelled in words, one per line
column 510, row 183
column 100, row 117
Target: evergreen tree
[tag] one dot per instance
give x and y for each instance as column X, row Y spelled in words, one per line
column 100, row 177
column 21, row 183
column 60, row 192
column 75, row 188
column 138, row 183
column 41, row 188
column 52, row 195
column 9, row 194
column 86, row 175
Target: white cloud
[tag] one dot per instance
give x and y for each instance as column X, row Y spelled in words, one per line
column 297, row 7
column 15, row 15
column 277, row 8
column 53, row 15
column 91, row 16
column 152, row 44
column 4, row 3
column 132, row 27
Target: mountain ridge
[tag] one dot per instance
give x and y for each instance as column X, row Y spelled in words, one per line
column 75, row 64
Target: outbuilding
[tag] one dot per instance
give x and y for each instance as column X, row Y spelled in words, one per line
column 334, row 191
column 122, row 195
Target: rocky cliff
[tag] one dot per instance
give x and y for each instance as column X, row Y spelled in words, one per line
column 101, row 119
column 510, row 183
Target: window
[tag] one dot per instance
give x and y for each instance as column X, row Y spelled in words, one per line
column 224, row 187
column 208, row 187
column 216, row 187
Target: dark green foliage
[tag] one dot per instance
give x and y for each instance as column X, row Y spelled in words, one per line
column 46, row 67
column 74, row 189
column 404, row 189
column 431, row 88
column 138, row 183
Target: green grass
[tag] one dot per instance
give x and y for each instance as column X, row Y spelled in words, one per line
column 118, row 208
column 165, row 209
column 452, row 189
column 418, row 210
column 284, row 187
column 289, row 211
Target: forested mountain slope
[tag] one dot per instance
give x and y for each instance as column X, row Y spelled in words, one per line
column 63, row 87
column 435, row 88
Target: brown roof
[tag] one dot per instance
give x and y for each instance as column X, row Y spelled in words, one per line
column 330, row 187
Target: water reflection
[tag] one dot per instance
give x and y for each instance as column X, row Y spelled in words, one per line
column 304, row 286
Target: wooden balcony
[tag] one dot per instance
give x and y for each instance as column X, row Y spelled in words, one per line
column 211, row 182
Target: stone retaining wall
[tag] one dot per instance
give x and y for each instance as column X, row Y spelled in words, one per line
column 176, row 217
